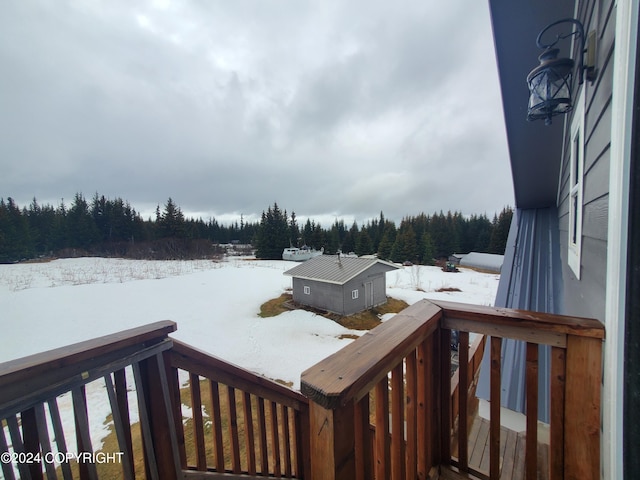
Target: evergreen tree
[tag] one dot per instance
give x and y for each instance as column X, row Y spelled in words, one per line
column 386, row 242
column 428, row 249
column 500, row 232
column 405, row 248
column 307, row 233
column 364, row 244
column 171, row 223
column 15, row 238
column 82, row 229
column 349, row 241
column 273, row 234
column 334, row 237
column 294, row 231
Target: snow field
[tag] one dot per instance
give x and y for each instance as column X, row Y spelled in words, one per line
column 215, row 305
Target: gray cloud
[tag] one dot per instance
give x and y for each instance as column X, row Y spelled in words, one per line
column 329, row 108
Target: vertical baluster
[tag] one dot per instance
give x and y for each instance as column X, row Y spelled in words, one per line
column 494, row 421
column 31, row 440
column 426, row 404
column 17, row 445
column 198, row 425
column 412, row 417
column 250, row 442
column 127, row 466
column 217, row 426
column 303, row 433
column 275, row 440
column 262, row 421
column 79, row 398
column 122, row 402
column 397, row 418
column 297, row 442
column 531, row 455
column 176, row 404
column 58, row 433
column 463, row 397
column 7, row 467
column 362, row 433
column 45, row 441
column 383, row 454
column 445, row 396
column 556, row 412
column 286, row 440
column 233, row 430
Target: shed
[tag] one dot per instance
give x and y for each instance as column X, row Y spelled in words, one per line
column 485, row 261
column 342, row 285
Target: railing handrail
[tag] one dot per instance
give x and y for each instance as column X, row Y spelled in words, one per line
column 39, row 363
column 353, row 371
column 201, row 363
column 522, row 319
column 30, row 379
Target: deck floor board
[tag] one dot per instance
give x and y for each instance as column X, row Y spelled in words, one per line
column 512, row 452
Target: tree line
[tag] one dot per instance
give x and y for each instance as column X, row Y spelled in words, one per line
column 418, row 239
column 109, row 227
column 112, row 227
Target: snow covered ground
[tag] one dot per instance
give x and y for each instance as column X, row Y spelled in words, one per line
column 215, row 304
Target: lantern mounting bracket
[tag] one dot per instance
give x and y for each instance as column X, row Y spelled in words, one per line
column 579, row 32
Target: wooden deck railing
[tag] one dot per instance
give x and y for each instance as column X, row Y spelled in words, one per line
column 401, row 370
column 256, row 426
column 136, row 373
column 41, row 433
column 384, row 407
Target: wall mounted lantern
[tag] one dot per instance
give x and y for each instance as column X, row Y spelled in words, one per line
column 550, row 82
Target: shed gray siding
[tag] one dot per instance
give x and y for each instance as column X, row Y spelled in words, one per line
column 322, row 295
column 339, row 298
column 371, row 288
column 335, row 292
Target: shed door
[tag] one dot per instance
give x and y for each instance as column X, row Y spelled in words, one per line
column 368, row 295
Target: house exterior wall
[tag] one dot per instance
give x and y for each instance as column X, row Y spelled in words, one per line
column 584, row 290
column 598, row 291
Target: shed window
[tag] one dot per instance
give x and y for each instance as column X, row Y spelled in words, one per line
column 576, row 186
column 307, row 290
column 354, row 294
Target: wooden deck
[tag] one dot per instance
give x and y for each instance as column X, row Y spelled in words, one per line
column 512, row 453
column 398, row 375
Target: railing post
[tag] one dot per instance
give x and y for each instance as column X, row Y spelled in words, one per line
column 582, row 408
column 332, row 442
column 153, row 373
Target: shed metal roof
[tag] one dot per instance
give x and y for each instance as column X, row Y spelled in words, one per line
column 337, row 270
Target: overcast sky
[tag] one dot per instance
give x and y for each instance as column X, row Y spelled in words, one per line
column 332, row 108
